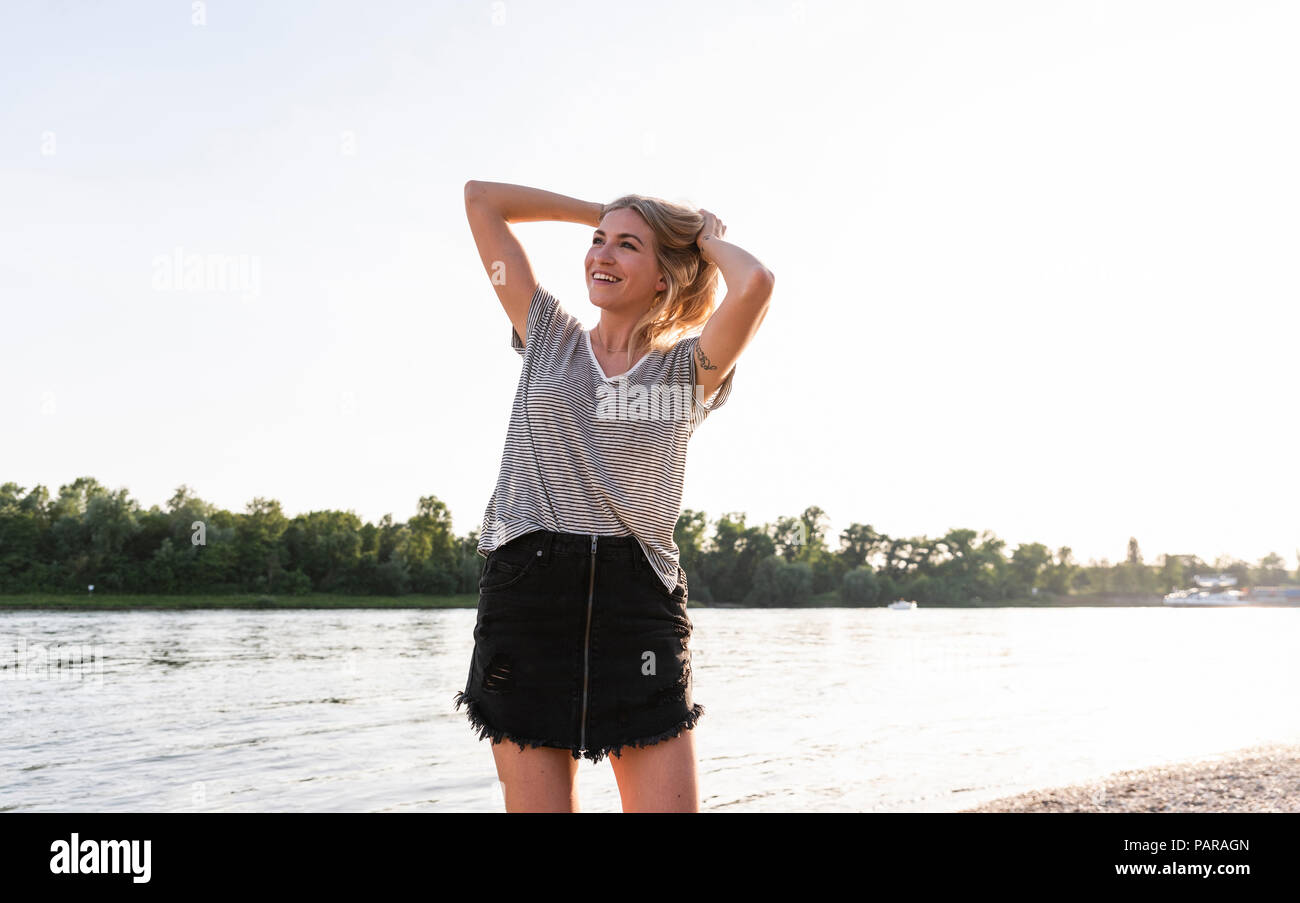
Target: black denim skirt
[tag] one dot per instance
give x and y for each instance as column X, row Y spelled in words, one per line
column 580, row 646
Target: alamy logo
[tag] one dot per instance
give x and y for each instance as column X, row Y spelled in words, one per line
column 637, row 402
column 101, row 857
column 181, row 272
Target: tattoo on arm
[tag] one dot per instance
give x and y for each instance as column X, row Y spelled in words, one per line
column 703, row 359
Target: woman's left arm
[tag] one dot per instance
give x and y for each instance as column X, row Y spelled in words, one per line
column 735, row 321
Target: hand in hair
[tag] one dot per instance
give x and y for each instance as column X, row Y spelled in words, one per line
column 712, row 228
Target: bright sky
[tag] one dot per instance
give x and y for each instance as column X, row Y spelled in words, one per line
column 1035, row 261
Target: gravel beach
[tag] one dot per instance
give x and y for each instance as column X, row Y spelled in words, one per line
column 1263, row 778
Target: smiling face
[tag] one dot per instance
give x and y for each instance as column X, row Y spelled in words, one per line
column 622, row 246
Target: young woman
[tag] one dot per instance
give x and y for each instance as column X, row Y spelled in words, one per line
column 581, row 641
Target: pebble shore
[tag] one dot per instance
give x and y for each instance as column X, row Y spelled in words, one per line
column 1263, row 778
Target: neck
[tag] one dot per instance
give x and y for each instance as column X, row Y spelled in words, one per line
column 613, row 335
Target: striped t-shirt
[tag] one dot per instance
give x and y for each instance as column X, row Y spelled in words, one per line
column 612, row 451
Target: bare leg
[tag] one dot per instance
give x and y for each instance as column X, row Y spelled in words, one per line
column 659, row 778
column 538, row 779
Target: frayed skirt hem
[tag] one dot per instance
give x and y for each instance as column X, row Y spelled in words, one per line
column 595, row 754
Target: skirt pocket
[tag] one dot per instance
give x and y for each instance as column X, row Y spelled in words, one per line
column 680, row 591
column 508, row 564
column 672, row 602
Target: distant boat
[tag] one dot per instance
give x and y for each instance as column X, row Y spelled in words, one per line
column 1209, row 591
column 901, row 605
column 1274, row 595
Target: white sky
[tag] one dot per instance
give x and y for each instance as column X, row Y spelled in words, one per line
column 1035, row 260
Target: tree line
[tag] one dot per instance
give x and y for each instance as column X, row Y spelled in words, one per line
column 91, row 535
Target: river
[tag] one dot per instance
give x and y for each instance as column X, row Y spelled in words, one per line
column 806, row 709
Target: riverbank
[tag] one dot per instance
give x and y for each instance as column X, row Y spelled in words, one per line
column 163, row 602
column 1263, row 778
column 129, row 602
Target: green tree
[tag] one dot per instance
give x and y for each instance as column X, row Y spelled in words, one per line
column 957, row 565
column 906, row 556
column 690, row 534
column 780, row 583
column 803, row 538
column 788, row 538
column 859, row 545
column 258, row 536
column 1270, row 571
column 1059, row 575
column 23, row 523
column 325, row 546
column 110, row 523
column 861, row 586
column 1171, row 576
column 429, row 549
column 727, row 569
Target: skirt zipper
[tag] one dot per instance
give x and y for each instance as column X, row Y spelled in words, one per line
column 586, row 647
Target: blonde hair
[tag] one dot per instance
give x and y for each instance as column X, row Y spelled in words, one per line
column 690, row 298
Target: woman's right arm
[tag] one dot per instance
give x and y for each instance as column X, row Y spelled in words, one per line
column 490, row 208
